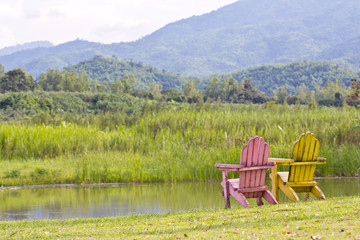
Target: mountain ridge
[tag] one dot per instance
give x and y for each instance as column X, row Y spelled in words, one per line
column 25, row 46
column 242, row 34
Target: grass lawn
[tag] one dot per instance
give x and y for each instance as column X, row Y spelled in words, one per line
column 335, row 218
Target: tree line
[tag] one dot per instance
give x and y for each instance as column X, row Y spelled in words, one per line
column 18, row 80
column 227, row 90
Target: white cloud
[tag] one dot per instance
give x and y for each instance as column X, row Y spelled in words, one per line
column 7, row 37
column 103, row 21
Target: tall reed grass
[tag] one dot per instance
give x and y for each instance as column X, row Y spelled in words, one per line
column 184, row 144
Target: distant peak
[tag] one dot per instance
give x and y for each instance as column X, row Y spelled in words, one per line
column 24, row 46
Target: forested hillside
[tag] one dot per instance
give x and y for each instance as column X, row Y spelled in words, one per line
column 244, row 34
column 111, row 69
column 269, row 78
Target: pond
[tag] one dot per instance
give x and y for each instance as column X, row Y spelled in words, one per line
column 127, row 199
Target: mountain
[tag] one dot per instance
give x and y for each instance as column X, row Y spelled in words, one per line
column 25, row 46
column 39, row 60
column 352, row 62
column 243, row 34
column 346, row 53
column 110, row 69
column 268, row 78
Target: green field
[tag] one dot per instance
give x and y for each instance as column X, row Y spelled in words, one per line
column 176, row 143
column 335, row 218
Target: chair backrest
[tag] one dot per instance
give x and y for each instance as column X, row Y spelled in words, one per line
column 255, row 153
column 306, row 149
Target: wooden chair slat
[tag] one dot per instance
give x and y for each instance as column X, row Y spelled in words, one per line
column 307, row 145
column 249, row 159
column 298, row 149
column 255, row 155
column 302, row 173
column 262, row 158
column 242, row 177
column 316, row 150
column 265, row 162
column 311, row 173
column 312, row 146
column 308, row 176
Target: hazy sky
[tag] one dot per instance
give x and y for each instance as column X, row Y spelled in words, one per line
column 104, row 21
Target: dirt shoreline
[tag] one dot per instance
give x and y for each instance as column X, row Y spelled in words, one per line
column 73, row 185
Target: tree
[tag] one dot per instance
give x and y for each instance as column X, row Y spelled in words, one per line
column 189, row 88
column 102, row 87
column 353, row 97
column 54, row 80
column 326, row 95
column 117, row 86
column 16, row 80
column 303, row 94
column 2, row 70
column 229, row 90
column 129, row 83
column 250, row 94
column 75, row 82
column 173, row 95
column 94, row 84
column 282, row 94
column 212, row 89
column 339, row 100
column 155, row 90
column 190, row 92
column 42, row 82
column 68, row 82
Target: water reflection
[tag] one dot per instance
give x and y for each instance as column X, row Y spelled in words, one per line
column 120, row 200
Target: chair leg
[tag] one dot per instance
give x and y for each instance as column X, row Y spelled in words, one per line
column 240, row 198
column 269, row 197
column 274, row 184
column 306, row 196
column 317, row 192
column 226, row 195
column 225, row 185
column 288, row 191
column 227, row 201
column 259, row 201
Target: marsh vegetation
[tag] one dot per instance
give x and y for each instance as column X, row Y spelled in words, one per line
column 176, row 142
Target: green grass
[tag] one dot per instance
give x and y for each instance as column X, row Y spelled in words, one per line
column 177, row 144
column 335, row 218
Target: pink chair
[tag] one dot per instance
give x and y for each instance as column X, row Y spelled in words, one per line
column 251, row 181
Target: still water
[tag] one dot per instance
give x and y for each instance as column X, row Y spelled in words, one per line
column 120, row 200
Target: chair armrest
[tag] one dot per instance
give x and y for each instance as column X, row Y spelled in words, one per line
column 307, row 163
column 319, row 160
column 285, row 161
column 271, row 164
column 240, row 168
column 229, row 167
column 281, row 161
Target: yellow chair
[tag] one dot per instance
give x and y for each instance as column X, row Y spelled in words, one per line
column 300, row 177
